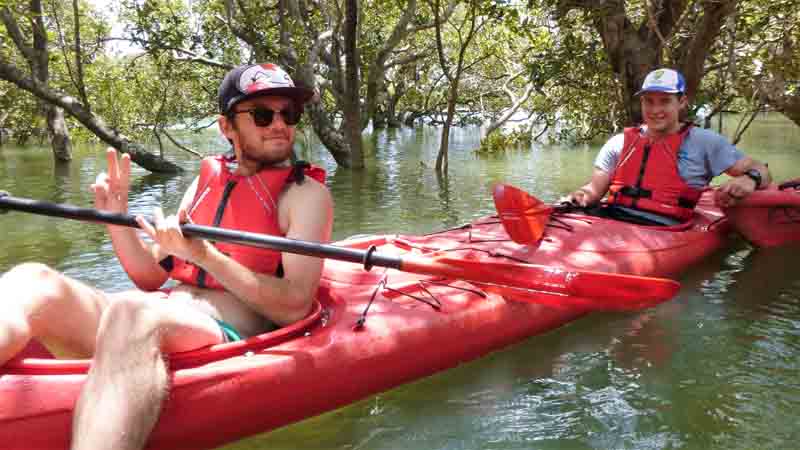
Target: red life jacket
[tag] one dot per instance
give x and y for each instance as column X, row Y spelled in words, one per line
column 647, row 176
column 239, row 203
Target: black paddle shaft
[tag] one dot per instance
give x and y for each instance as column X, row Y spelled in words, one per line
column 366, row 257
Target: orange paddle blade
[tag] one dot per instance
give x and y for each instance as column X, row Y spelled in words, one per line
column 523, row 216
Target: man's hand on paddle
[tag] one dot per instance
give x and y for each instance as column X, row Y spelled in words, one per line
column 591, row 193
column 111, row 189
column 580, row 198
column 166, row 232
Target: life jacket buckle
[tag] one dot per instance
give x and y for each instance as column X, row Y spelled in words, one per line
column 636, row 192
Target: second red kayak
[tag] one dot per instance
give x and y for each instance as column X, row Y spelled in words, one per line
column 770, row 217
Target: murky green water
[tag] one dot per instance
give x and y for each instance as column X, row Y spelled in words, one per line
column 719, row 367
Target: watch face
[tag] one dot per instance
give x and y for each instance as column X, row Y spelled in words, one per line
column 755, row 176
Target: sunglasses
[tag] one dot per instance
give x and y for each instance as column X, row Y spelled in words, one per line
column 263, row 117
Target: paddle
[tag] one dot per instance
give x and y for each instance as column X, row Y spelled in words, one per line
column 523, row 215
column 605, row 291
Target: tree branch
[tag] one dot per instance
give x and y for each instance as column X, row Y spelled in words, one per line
column 17, row 37
column 179, row 145
column 79, row 54
column 39, row 41
column 90, row 120
column 714, row 13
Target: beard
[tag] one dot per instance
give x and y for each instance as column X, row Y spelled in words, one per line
column 265, row 154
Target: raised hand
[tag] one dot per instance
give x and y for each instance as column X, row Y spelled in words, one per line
column 111, row 189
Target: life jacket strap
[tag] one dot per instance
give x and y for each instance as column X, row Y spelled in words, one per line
column 636, row 192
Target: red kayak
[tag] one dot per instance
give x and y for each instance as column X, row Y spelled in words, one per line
column 370, row 331
column 770, row 217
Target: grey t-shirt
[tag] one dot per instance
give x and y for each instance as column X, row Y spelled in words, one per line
column 703, row 155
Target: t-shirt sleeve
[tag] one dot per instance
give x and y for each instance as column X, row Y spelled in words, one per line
column 721, row 153
column 606, row 159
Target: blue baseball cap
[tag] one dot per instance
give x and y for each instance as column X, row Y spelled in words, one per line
column 663, row 80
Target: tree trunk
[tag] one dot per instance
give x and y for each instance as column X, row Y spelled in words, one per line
column 304, row 74
column 633, row 51
column 441, row 158
column 774, row 92
column 377, row 69
column 37, row 55
column 90, row 120
column 773, row 88
column 59, row 135
column 3, row 116
column 328, row 135
column 516, row 104
column 791, row 108
column 391, row 105
column 56, row 126
column 352, row 104
column 631, row 54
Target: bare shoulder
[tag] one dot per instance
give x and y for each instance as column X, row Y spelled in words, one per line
column 310, row 193
column 306, row 210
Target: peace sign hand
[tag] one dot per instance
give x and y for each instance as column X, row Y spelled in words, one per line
column 111, row 189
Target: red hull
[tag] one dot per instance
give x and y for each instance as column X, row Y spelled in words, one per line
column 769, row 218
column 234, row 390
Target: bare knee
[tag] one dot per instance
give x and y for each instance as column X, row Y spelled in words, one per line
column 128, row 319
column 128, row 342
column 32, row 285
column 29, row 273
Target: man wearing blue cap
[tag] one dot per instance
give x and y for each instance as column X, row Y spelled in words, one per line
column 225, row 291
column 657, row 171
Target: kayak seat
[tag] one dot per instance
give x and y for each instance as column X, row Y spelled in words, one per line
column 35, row 358
column 631, row 215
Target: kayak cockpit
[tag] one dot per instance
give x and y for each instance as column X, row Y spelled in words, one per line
column 36, row 359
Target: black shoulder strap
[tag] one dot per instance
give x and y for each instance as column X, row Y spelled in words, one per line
column 299, row 167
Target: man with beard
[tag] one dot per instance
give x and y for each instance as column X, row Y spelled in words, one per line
column 224, row 291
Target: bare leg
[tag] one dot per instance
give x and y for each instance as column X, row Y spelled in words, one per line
column 38, row 301
column 129, row 380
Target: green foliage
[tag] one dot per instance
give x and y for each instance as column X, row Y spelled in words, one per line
column 500, row 142
column 171, row 75
column 153, row 94
column 23, row 119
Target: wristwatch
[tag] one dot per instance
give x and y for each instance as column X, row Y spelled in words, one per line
column 754, row 175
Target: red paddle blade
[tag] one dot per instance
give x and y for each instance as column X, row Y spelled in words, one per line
column 603, row 291
column 523, row 215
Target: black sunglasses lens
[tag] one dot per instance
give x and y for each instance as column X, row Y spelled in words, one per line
column 291, row 116
column 262, row 117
